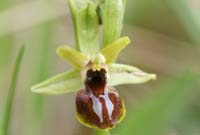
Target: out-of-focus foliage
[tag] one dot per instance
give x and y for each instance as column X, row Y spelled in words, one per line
column 153, row 116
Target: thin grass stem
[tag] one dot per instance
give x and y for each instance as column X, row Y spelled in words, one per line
column 5, row 121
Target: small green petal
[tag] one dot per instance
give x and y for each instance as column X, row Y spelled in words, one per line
column 63, row 83
column 124, row 74
column 74, row 57
column 112, row 50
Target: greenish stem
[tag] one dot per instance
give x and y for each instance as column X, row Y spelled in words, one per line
column 5, row 121
column 99, row 132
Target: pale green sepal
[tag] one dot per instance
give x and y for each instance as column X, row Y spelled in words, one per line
column 124, row 74
column 112, row 50
column 85, row 19
column 74, row 57
column 75, row 6
column 63, row 83
column 87, row 30
column 112, row 14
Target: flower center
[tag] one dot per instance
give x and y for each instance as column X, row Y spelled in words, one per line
column 96, row 81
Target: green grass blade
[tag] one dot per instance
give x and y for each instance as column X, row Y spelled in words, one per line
column 8, row 106
column 153, row 117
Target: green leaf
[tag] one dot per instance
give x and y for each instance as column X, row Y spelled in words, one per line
column 63, row 83
column 74, row 57
column 9, row 101
column 154, row 116
column 85, row 20
column 112, row 50
column 112, row 14
column 124, row 74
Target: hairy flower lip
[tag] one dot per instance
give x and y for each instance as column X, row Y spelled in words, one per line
column 87, row 116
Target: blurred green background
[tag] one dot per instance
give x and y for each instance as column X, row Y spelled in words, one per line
column 165, row 40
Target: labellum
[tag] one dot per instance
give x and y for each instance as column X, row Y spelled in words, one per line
column 98, row 105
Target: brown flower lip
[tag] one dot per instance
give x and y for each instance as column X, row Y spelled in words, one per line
column 98, row 105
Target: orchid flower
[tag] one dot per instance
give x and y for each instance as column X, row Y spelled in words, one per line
column 94, row 73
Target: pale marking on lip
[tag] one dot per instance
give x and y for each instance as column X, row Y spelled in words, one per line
column 97, row 105
column 109, row 104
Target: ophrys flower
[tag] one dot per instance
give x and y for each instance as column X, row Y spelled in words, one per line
column 94, row 73
column 98, row 104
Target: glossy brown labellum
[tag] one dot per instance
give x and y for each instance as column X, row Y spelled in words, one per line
column 98, row 105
